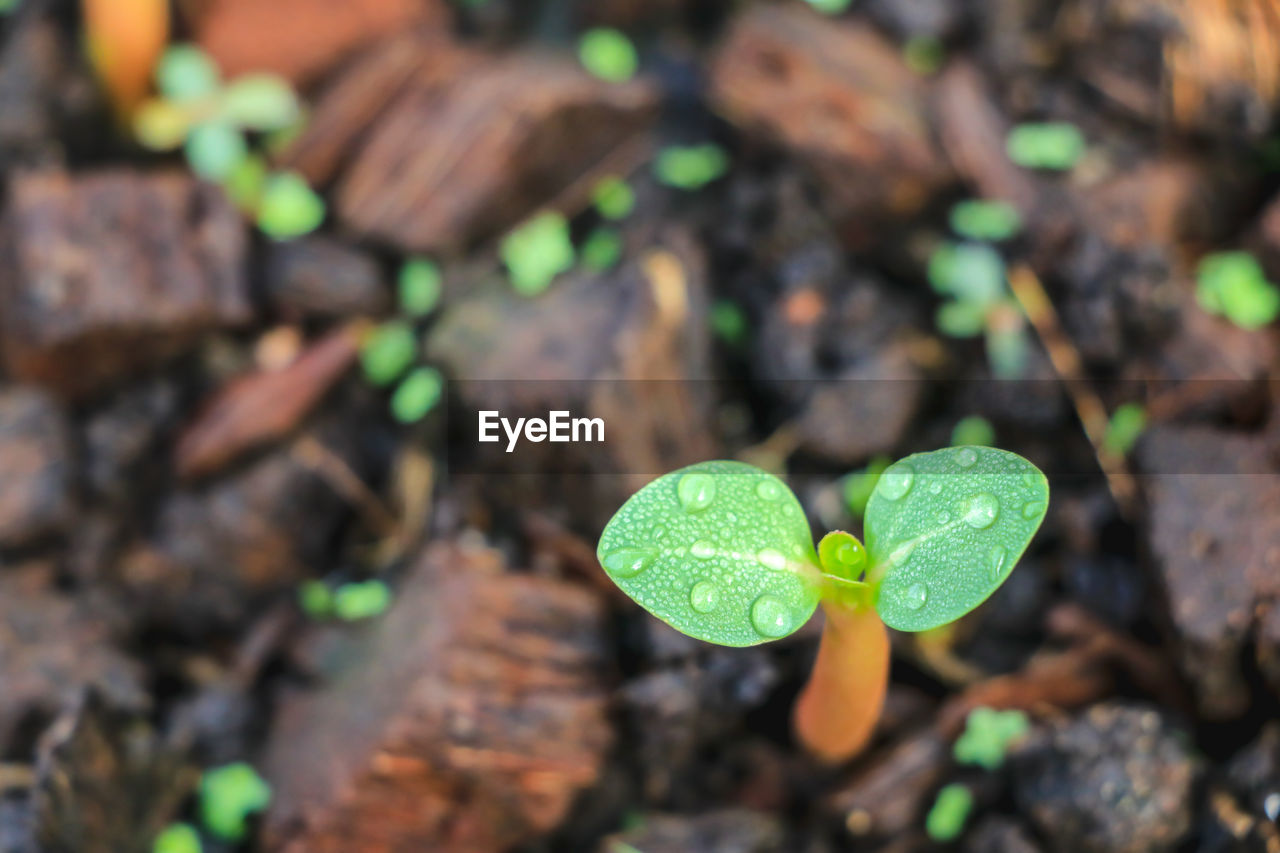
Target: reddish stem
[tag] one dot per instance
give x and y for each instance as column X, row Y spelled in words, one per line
column 839, row 707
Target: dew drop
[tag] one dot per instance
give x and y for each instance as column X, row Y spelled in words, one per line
column 915, row 596
column 935, row 488
column 943, row 518
column 1032, row 509
column 966, row 456
column 659, row 532
column 702, row 549
column 770, row 617
column 1030, row 480
column 981, row 510
column 998, row 556
column 896, row 481
column 768, row 490
column 704, row 597
column 696, row 491
column 772, row 558
column 627, row 562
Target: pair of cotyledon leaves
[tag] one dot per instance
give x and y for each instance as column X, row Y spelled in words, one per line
column 722, row 551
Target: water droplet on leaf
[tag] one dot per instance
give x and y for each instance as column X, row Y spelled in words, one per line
column 998, row 556
column 915, row 596
column 768, row 490
column 902, row 553
column 1032, row 509
column 627, row 562
column 935, row 488
column 696, row 491
column 981, row 510
column 704, row 597
column 702, row 549
column 770, row 617
column 966, row 456
column 772, row 558
column 896, row 481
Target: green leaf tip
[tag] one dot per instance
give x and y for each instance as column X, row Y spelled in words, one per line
column 228, row 796
column 987, row 736
column 945, row 528
column 950, row 812
column 720, row 551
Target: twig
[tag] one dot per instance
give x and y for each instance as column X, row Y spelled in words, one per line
column 1066, row 362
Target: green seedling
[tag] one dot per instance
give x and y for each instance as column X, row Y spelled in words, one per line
column 972, row 275
column 987, row 736
column 722, row 551
column 419, row 286
column 417, row 395
column 364, row 600
column 608, row 54
column 177, row 838
column 946, row 819
column 387, row 352
column 9, row 6
column 690, row 167
column 979, row 219
column 830, row 7
column 729, row 322
column 602, row 249
column 538, row 251
column 1124, row 428
column 1233, row 285
column 229, row 795
column 1054, row 145
column 288, row 208
column 975, row 430
column 613, row 198
column 315, row 599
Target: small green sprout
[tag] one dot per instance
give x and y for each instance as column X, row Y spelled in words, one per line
column 924, row 55
column 690, row 167
column 228, row 796
column 830, row 7
column 261, row 103
column 288, row 208
column 1124, row 429
column 538, row 251
column 1054, row 145
column 861, row 485
column 214, row 149
column 602, row 249
column 987, row 736
column 979, row 219
column 417, row 395
column 722, row 551
column 728, row 322
column 613, row 198
column 975, row 430
column 608, row 54
column 185, row 73
column 419, row 285
column 973, row 275
column 177, row 838
column 1234, row 285
column 315, row 599
column 245, row 183
column 387, row 352
column 945, row 821
column 8, row 7
column 364, row 600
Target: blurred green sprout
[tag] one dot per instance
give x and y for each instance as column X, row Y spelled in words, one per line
column 1053, row 145
column 1233, row 285
column 419, row 286
column 363, row 600
column 1124, row 428
column 602, row 249
column 830, row 7
column 608, row 54
column 975, row 430
column 315, row 599
column 861, row 485
column 690, row 167
column 924, row 55
column 987, row 736
column 537, row 251
column 728, row 322
column 9, row 6
column 387, row 352
column 980, row 219
column 229, row 795
column 177, row 838
column 950, row 812
column 417, row 395
column 972, row 275
column 613, row 198
column 208, row 118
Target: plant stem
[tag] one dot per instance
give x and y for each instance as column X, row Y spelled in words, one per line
column 839, row 707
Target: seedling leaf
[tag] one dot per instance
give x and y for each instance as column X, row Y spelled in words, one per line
column 537, row 251
column 973, row 429
column 214, row 149
column 945, row 528
column 981, row 219
column 228, row 795
column 417, row 395
column 177, row 838
column 690, row 167
column 988, row 734
column 949, row 814
column 355, row 601
column 608, row 54
column 602, row 249
column 613, row 198
column 1125, row 428
column 1055, row 145
column 289, row 207
column 260, row 102
column 720, row 551
column 186, row 73
column 419, row 285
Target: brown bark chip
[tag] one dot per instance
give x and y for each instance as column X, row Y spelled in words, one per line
column 466, row 722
